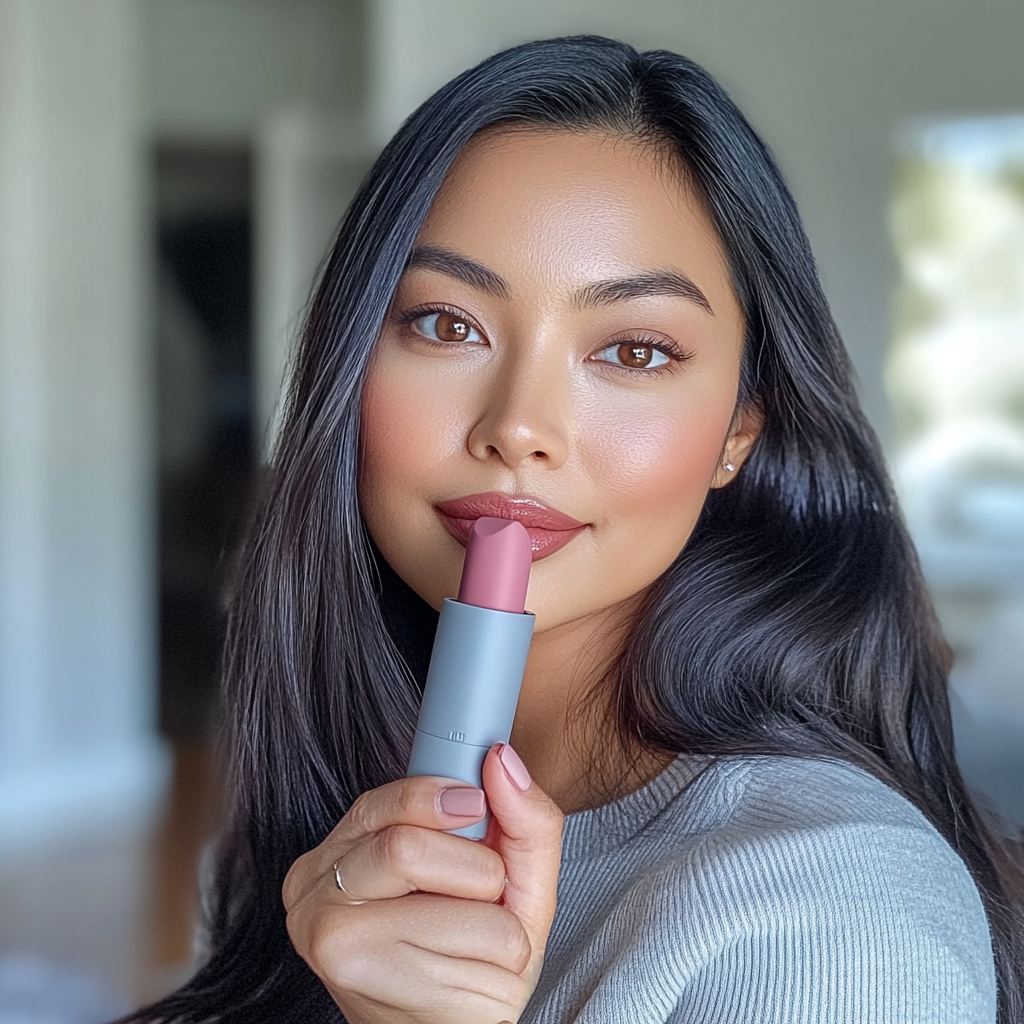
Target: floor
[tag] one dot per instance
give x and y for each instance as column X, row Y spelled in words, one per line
column 117, row 910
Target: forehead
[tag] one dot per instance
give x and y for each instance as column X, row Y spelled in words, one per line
column 574, row 206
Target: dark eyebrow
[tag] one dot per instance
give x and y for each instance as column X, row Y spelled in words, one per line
column 462, row 268
column 657, row 282
column 601, row 293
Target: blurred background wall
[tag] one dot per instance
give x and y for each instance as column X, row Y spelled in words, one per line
column 171, row 172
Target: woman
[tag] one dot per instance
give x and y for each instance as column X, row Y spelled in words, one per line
column 575, row 279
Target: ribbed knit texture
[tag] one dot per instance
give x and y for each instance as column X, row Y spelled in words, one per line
column 763, row 890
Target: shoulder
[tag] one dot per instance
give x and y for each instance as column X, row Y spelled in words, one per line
column 815, row 870
column 817, row 812
column 820, row 807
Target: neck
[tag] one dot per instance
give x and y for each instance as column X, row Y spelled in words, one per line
column 565, row 729
column 565, row 723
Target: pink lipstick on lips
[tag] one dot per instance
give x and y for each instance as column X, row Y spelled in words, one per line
column 549, row 529
column 478, row 660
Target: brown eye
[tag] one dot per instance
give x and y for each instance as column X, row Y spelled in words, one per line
column 635, row 355
column 446, row 327
column 451, row 328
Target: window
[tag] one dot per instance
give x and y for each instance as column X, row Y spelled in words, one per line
column 956, row 379
column 956, row 373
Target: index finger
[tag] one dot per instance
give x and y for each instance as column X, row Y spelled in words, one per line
column 419, row 800
column 424, row 800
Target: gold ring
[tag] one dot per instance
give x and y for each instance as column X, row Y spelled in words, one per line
column 340, row 885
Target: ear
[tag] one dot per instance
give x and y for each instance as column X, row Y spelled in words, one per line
column 743, row 432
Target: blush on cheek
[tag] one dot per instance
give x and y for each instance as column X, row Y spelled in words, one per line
column 653, row 482
column 663, row 466
column 406, row 429
column 378, row 426
column 387, row 457
column 390, row 408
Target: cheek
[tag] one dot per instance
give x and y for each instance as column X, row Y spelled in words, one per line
column 653, row 475
column 381, row 443
column 405, row 430
column 409, row 432
column 660, row 465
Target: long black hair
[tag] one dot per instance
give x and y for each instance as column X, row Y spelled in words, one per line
column 794, row 622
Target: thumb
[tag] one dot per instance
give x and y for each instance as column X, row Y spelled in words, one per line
column 528, row 839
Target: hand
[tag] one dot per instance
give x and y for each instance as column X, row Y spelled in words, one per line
column 433, row 928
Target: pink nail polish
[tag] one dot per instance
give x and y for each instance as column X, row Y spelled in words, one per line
column 514, row 767
column 463, row 801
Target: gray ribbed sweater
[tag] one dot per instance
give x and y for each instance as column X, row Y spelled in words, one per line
column 763, row 890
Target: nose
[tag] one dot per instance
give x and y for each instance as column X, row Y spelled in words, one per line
column 525, row 417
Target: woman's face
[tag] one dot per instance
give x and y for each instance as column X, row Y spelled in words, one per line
column 565, row 332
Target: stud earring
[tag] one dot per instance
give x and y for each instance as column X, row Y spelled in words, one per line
column 729, row 467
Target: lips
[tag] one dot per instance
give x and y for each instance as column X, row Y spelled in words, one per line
column 549, row 529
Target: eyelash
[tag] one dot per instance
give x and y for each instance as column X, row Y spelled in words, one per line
column 668, row 348
column 412, row 315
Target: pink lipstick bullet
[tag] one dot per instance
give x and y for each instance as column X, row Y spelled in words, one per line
column 496, row 571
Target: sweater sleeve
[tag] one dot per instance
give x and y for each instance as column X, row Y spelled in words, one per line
column 847, row 922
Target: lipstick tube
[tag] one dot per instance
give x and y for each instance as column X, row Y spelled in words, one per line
column 477, row 663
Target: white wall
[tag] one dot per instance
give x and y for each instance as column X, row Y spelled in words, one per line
column 825, row 83
column 76, row 584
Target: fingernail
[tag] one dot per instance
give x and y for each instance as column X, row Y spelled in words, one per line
column 463, row 801
column 514, row 767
